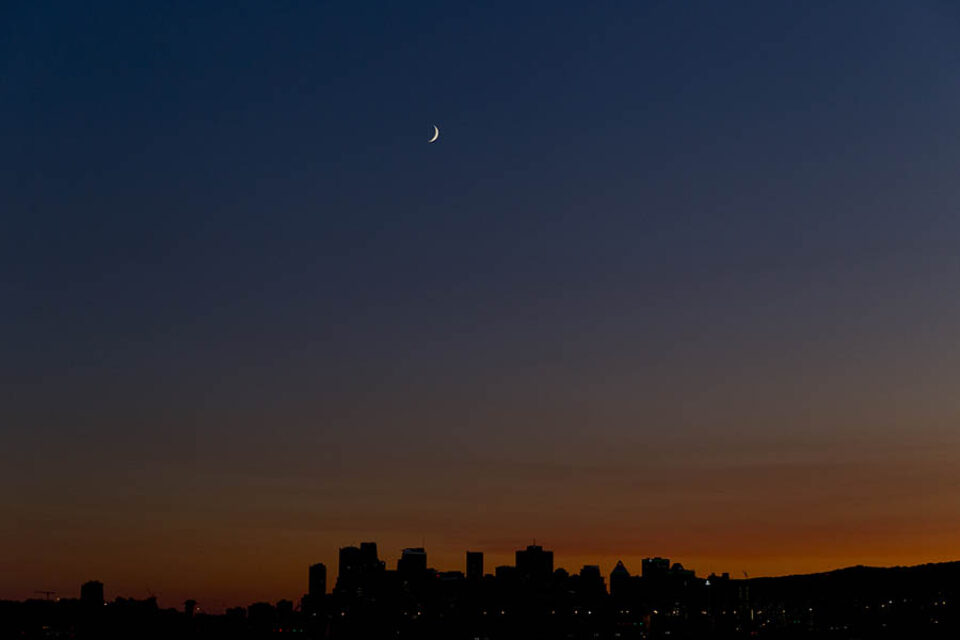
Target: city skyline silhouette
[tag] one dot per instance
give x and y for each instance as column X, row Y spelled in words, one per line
column 529, row 598
column 670, row 278
column 475, row 564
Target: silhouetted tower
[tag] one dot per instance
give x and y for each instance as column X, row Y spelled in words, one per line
column 591, row 580
column 350, row 570
column 655, row 568
column 474, row 565
column 317, row 580
column 91, row 593
column 189, row 608
column 534, row 563
column 412, row 563
column 619, row 580
column 368, row 553
column 359, row 567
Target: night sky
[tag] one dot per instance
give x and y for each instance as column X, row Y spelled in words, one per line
column 677, row 278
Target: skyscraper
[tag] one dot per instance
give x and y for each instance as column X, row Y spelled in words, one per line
column 591, row 580
column 412, row 563
column 368, row 553
column 654, row 568
column 534, row 563
column 317, row 585
column 474, row 565
column 359, row 568
column 619, row 580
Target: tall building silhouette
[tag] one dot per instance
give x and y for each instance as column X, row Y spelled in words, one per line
column 412, row 563
column 359, row 568
column 350, row 566
column 591, row 580
column 368, row 551
column 474, row 565
column 619, row 580
column 655, row 568
column 317, row 584
column 533, row 563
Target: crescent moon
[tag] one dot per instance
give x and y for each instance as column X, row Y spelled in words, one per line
column 436, row 134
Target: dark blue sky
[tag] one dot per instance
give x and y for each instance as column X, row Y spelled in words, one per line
column 227, row 248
